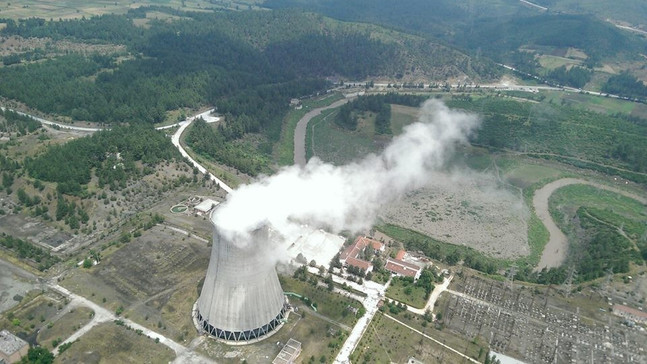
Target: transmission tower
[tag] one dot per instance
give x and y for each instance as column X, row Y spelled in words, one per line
column 509, row 277
column 570, row 277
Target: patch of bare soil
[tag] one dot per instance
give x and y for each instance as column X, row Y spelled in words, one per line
column 15, row 44
column 466, row 210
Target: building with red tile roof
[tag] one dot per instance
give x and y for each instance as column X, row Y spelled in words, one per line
column 402, row 268
column 400, row 255
column 350, row 255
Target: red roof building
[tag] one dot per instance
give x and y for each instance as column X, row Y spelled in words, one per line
column 400, row 255
column 350, row 255
column 403, row 268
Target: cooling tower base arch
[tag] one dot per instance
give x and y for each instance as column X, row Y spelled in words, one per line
column 240, row 337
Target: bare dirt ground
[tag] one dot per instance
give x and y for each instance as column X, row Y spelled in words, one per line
column 14, row 281
column 16, row 44
column 466, row 210
column 557, row 246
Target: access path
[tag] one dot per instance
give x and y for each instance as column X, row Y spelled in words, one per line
column 302, row 126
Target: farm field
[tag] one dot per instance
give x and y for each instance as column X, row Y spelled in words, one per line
column 70, row 9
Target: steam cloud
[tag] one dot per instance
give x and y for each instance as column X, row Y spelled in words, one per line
column 346, row 197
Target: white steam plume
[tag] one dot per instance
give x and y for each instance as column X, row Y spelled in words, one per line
column 346, row 197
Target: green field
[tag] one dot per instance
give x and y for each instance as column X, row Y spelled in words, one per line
column 551, row 62
column 329, row 304
column 284, row 149
column 387, row 341
column 610, row 207
column 408, row 294
column 574, row 196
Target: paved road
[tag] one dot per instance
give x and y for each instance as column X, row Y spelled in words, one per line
column 555, row 250
column 300, row 131
column 101, row 315
column 438, row 289
column 175, row 139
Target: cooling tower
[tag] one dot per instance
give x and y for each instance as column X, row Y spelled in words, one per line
column 241, row 298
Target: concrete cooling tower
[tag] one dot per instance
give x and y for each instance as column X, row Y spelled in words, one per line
column 241, row 299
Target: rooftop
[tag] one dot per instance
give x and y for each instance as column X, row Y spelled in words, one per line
column 359, row 263
column 10, row 343
column 402, row 268
column 358, row 246
column 206, row 205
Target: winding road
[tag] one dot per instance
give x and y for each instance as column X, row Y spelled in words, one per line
column 557, row 246
column 175, row 139
column 302, row 126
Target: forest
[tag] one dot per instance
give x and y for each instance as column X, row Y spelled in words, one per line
column 505, row 31
column 347, row 117
column 27, row 250
column 13, row 122
column 575, row 76
column 248, row 65
column 626, row 85
column 110, row 154
column 555, row 131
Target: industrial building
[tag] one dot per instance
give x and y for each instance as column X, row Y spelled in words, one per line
column 12, row 348
column 241, row 299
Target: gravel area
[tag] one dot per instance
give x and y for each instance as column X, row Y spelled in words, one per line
column 466, row 210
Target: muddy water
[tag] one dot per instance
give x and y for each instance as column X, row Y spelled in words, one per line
column 557, row 247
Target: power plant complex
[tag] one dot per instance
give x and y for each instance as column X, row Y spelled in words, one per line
column 241, row 298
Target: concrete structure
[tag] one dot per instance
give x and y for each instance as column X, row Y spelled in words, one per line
column 350, row 255
column 316, row 245
column 241, row 299
column 289, row 353
column 12, row 348
column 402, row 268
column 206, row 206
column 630, row 313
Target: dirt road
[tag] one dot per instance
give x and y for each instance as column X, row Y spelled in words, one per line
column 300, row 131
column 557, row 247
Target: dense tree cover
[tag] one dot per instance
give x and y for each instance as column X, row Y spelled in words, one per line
column 378, row 104
column 555, row 130
column 496, row 30
column 27, row 250
column 421, row 16
column 11, row 121
column 470, row 257
column 625, row 85
column 602, row 250
column 37, row 355
column 108, row 28
column 557, row 30
column 211, row 142
column 196, row 60
column 111, row 154
column 575, row 76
